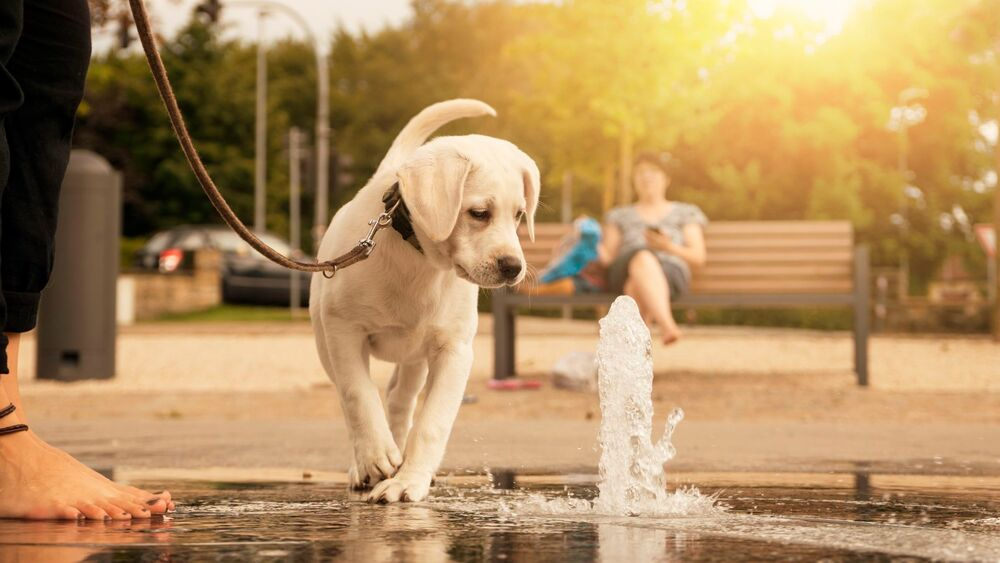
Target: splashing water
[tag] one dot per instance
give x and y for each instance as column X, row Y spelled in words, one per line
column 632, row 479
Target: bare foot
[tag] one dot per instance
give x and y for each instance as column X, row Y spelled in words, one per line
column 165, row 504
column 40, row 482
column 671, row 333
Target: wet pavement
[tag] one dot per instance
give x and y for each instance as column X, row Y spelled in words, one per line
column 509, row 517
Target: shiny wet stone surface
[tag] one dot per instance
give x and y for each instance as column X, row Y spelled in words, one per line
column 807, row 517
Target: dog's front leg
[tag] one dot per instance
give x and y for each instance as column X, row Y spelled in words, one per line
column 449, row 372
column 376, row 456
column 401, row 399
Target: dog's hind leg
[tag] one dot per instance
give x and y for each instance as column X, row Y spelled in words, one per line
column 401, row 398
column 376, row 456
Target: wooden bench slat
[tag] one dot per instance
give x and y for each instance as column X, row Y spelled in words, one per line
column 779, row 227
column 727, row 228
column 765, row 257
column 775, row 271
column 772, row 286
column 776, row 243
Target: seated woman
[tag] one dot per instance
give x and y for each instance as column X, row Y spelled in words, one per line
column 650, row 246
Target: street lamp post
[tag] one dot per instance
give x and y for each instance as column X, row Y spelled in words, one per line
column 996, row 237
column 902, row 118
column 260, row 130
column 322, row 130
column 294, row 209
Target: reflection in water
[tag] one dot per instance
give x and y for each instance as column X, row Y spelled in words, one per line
column 311, row 522
column 57, row 542
column 626, row 543
column 503, row 478
column 395, row 533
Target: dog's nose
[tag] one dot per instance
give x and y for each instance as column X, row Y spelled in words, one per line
column 510, row 266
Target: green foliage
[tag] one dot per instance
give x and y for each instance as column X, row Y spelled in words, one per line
column 234, row 313
column 127, row 247
column 770, row 118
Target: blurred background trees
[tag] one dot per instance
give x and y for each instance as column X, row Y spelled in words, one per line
column 772, row 115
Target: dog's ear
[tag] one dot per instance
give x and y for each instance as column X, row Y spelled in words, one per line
column 431, row 184
column 532, row 186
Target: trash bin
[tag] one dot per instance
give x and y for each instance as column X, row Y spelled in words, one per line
column 76, row 318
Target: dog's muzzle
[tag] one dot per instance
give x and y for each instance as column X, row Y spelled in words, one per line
column 510, row 267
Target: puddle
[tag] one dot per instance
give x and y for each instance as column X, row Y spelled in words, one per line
column 635, row 512
column 511, row 517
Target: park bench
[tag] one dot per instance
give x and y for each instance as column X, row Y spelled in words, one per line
column 750, row 264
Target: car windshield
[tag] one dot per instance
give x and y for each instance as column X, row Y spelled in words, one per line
column 159, row 241
column 228, row 241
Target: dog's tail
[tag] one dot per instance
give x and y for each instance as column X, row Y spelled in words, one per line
column 426, row 123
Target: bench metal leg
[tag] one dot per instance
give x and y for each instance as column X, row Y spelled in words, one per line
column 862, row 297
column 504, row 317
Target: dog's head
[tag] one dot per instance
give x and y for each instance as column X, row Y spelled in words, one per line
column 467, row 195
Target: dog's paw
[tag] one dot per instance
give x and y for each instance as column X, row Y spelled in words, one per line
column 374, row 461
column 354, row 479
column 405, row 487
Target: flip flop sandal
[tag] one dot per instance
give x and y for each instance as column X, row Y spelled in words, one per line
column 513, row 384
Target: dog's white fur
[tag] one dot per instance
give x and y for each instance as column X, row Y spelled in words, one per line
column 415, row 309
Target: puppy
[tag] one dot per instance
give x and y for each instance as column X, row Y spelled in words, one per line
column 415, row 304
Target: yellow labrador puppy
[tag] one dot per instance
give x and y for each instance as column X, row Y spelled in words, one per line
column 413, row 302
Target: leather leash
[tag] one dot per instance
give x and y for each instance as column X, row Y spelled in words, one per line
column 360, row 251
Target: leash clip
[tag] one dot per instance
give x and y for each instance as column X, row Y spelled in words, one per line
column 367, row 244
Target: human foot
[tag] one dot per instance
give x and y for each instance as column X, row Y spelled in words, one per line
column 670, row 333
column 164, row 505
column 39, row 482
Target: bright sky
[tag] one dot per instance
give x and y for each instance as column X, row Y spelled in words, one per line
column 323, row 16
column 832, row 13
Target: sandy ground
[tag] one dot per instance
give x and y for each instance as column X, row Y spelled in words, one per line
column 254, row 395
column 282, row 356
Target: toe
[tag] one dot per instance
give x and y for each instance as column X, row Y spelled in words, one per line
column 55, row 512
column 156, row 505
column 355, row 479
column 135, row 509
column 68, row 513
column 385, row 468
column 141, row 496
column 385, row 492
column 395, row 458
column 93, row 512
column 114, row 511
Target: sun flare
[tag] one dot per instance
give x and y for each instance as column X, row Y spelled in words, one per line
column 831, row 13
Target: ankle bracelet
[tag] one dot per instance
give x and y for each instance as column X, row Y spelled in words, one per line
column 6, row 411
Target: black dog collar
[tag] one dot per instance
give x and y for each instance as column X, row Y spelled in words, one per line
column 401, row 216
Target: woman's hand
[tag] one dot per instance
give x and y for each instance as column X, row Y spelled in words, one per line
column 659, row 241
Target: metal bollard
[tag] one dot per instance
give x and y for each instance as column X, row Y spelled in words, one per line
column 76, row 319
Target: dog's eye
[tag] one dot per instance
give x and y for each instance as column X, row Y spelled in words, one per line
column 480, row 214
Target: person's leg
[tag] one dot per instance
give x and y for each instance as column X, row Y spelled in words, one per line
column 647, row 284
column 44, row 74
column 9, row 381
column 11, row 19
column 38, row 481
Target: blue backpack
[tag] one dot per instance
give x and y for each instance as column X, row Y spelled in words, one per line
column 576, row 250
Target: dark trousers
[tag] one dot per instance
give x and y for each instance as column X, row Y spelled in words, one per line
column 44, row 54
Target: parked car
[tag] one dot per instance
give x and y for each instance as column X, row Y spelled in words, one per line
column 247, row 277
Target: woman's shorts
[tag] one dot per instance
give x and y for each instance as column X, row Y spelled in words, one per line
column 677, row 279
